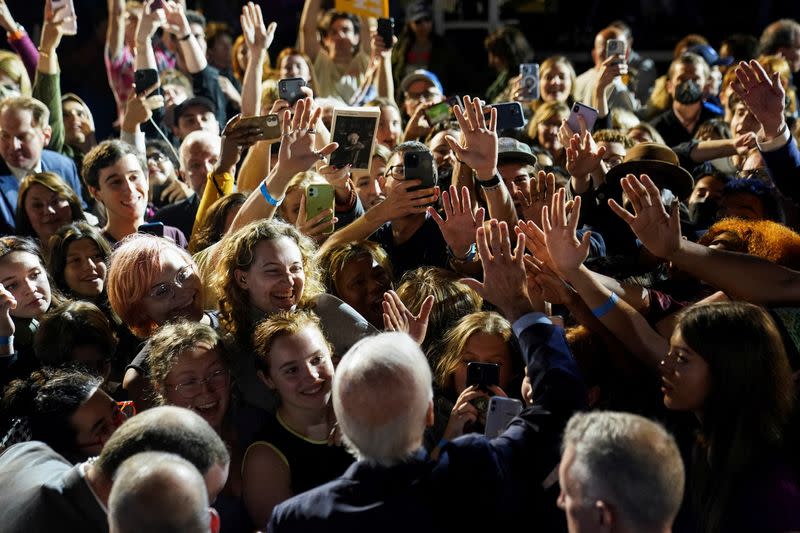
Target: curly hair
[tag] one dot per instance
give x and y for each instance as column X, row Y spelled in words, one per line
column 761, row 238
column 235, row 309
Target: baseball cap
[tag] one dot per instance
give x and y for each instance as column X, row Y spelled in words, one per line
column 418, row 10
column 710, row 55
column 510, row 150
column 184, row 106
column 421, row 75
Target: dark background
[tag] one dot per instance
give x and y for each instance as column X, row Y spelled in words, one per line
column 551, row 26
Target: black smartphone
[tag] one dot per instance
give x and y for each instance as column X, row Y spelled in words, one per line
column 483, row 375
column 419, row 166
column 386, row 30
column 144, row 78
column 152, row 228
column 509, row 116
column 289, row 89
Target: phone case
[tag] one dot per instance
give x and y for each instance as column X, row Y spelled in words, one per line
column 500, row 412
column 289, row 89
column 588, row 113
column 529, row 81
column 270, row 125
column 320, row 197
column 509, row 116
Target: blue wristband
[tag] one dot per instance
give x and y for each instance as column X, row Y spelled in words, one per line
column 265, row 193
column 5, row 341
column 607, row 306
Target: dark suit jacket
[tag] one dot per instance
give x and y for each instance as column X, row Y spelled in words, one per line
column 42, row 491
column 9, row 186
column 478, row 484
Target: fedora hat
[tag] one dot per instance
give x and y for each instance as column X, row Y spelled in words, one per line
column 660, row 163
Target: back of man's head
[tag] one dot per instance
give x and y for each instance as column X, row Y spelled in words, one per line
column 165, row 429
column 157, row 492
column 382, row 397
column 630, row 464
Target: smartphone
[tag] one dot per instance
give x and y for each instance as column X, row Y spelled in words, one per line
column 270, row 125
column 419, row 166
column 529, row 81
column 144, row 78
column 588, row 113
column 615, row 47
column 319, row 197
column 438, row 113
column 499, row 413
column 509, row 116
column 289, row 89
column 483, row 375
column 152, row 228
column 70, row 27
column 386, row 30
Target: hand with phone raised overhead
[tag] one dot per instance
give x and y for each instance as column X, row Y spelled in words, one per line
column 460, row 222
column 478, row 145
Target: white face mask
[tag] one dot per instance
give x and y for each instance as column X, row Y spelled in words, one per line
column 724, row 165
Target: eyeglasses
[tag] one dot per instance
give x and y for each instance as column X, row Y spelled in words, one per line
column 194, row 388
column 165, row 291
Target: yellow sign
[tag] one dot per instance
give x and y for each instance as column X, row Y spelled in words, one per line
column 364, row 8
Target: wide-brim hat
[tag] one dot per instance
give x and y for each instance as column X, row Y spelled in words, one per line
column 660, row 163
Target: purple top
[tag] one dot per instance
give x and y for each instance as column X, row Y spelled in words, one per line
column 27, row 51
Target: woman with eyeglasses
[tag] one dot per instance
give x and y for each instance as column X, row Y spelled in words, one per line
column 190, row 367
column 152, row 281
column 66, row 409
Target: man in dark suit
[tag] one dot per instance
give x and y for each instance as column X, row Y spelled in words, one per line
column 42, row 491
column 24, row 132
column 383, row 401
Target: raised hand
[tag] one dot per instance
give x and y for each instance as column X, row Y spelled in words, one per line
column 504, row 279
column 763, row 94
column 478, row 145
column 397, row 317
column 297, row 152
column 559, row 225
column 543, row 187
column 460, row 223
column 257, row 36
column 7, row 304
column 659, row 231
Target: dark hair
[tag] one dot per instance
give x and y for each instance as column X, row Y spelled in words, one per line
column 59, row 248
column 510, row 45
column 746, row 358
column 164, row 149
column 166, row 429
column 48, row 398
column 69, row 326
column 104, row 155
column 212, row 228
column 764, row 191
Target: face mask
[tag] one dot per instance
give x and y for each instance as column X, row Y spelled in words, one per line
column 703, row 214
column 688, row 92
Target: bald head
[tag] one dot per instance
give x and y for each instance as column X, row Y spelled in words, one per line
column 158, row 492
column 173, row 430
column 383, row 398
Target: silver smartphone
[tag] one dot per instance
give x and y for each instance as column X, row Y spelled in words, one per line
column 500, row 412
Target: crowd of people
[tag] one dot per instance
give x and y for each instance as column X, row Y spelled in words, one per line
column 206, row 326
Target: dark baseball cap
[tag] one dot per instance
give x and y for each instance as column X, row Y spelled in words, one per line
column 197, row 101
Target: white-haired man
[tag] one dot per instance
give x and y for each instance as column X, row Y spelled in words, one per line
column 619, row 473
column 383, row 401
